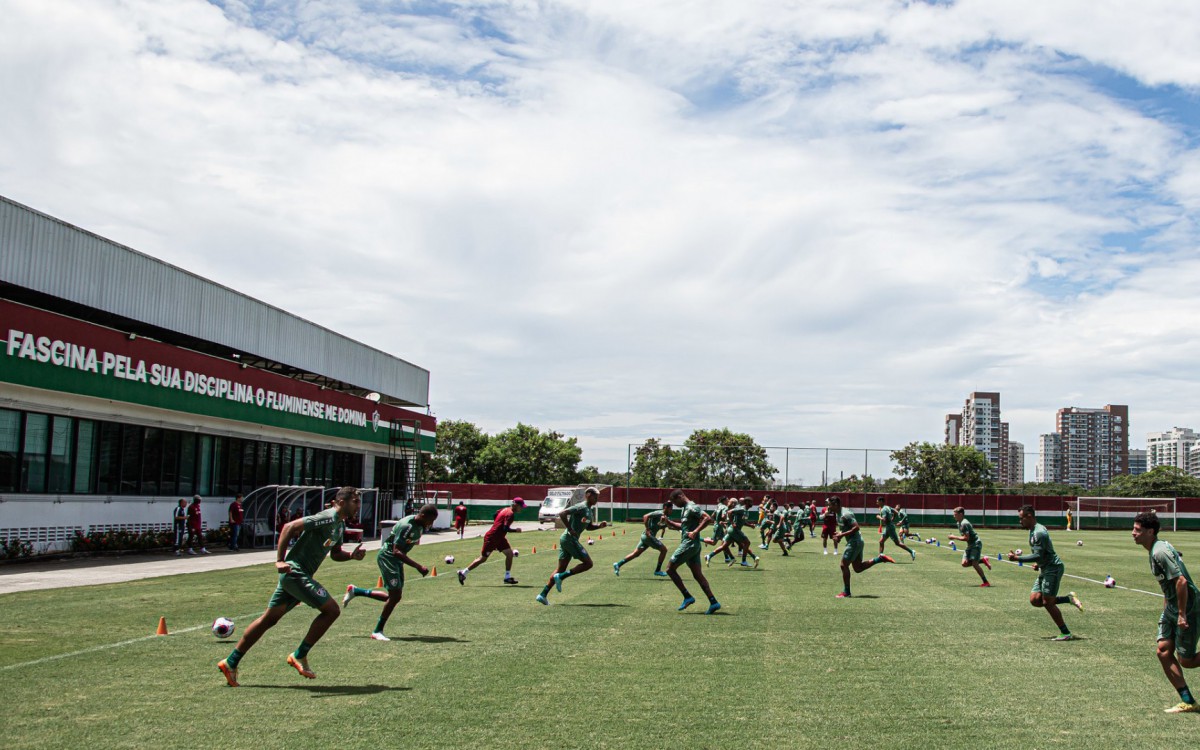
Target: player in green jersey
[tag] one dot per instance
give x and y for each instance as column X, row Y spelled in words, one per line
column 766, row 521
column 1180, row 619
column 798, row 519
column 780, row 529
column 887, row 527
column 576, row 518
column 392, row 557
column 1050, row 572
column 852, row 555
column 737, row 519
column 720, row 527
column 652, row 521
column 902, row 523
column 973, row 553
column 691, row 522
column 315, row 537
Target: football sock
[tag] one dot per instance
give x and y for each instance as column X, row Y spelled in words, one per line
column 1062, row 600
column 686, row 595
column 235, row 656
column 507, row 574
column 302, row 651
column 545, row 590
column 379, row 625
column 1064, row 629
column 1185, row 695
column 985, row 579
column 712, row 599
column 564, row 574
column 361, row 592
column 622, row 562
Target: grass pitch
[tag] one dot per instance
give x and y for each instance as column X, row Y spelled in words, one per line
column 920, row 657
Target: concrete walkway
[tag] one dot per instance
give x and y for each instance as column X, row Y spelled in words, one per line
column 88, row 571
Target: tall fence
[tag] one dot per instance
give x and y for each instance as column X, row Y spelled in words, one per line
column 628, row 504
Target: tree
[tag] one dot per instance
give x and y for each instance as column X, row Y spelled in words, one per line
column 593, row 475
column 456, row 453
column 523, row 455
column 656, row 465
column 1041, row 488
column 943, row 469
column 1161, row 481
column 722, row 458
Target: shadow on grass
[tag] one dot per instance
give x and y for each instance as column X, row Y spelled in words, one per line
column 593, row 605
column 322, row 691
column 430, row 639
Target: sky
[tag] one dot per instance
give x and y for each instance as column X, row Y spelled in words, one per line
column 820, row 223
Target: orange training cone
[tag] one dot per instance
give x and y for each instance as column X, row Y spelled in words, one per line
column 380, row 584
column 534, row 550
column 162, row 626
column 554, row 545
column 434, row 573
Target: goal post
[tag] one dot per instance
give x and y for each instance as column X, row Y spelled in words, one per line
column 1119, row 512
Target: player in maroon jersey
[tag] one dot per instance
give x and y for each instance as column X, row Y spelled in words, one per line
column 496, row 540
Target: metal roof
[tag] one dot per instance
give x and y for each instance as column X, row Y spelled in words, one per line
column 54, row 258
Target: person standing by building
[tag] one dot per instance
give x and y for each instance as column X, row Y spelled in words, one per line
column 179, row 525
column 392, row 557
column 315, row 537
column 576, row 519
column 973, row 553
column 237, row 513
column 495, row 539
column 1180, row 619
column 195, row 527
column 1050, row 572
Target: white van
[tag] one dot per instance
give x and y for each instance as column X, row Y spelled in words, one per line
column 557, row 500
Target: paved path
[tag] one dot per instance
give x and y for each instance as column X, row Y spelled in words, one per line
column 88, row 571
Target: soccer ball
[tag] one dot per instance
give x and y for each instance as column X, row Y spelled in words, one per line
column 449, row 559
column 591, row 541
column 1110, row 582
column 516, row 553
column 1079, row 543
column 222, row 627
column 1017, row 550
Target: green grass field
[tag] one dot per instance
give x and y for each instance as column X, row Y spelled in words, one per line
column 921, row 657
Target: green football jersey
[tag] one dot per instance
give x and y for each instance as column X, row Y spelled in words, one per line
column 690, row 519
column 1041, row 548
column 322, row 532
column 887, row 516
column 405, row 535
column 736, row 518
column 579, row 517
column 1167, row 565
column 846, row 521
column 966, row 529
column 654, row 521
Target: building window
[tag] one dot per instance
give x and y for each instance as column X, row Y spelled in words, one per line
column 85, row 456
column 61, row 449
column 33, row 456
column 10, row 453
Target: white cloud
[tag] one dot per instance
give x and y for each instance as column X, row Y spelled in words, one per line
column 820, row 223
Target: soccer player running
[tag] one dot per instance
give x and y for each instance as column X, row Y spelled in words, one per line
column 734, row 535
column 392, row 558
column 1177, row 626
column 653, row 521
column 720, row 517
column 691, row 522
column 887, row 528
column 781, row 525
column 902, row 522
column 495, row 539
column 798, row 518
column 576, row 519
column 829, row 526
column 314, row 537
column 1050, row 572
column 973, row 554
column 852, row 555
